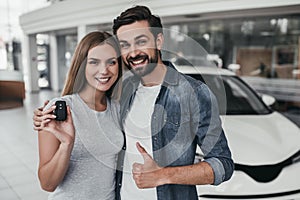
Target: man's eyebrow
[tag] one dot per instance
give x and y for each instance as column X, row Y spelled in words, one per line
column 136, row 38
column 123, row 41
column 140, row 36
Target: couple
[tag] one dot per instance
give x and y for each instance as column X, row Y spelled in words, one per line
column 143, row 145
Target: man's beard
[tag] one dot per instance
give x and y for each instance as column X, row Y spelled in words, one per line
column 143, row 71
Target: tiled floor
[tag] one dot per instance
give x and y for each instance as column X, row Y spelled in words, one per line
column 19, row 152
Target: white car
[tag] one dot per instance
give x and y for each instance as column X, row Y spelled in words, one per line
column 265, row 145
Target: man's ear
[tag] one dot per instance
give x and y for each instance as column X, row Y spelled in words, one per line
column 159, row 41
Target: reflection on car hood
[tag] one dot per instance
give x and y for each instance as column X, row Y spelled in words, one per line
column 261, row 139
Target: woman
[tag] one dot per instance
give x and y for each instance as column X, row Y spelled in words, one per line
column 77, row 157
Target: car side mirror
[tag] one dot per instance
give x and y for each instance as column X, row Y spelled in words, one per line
column 268, row 99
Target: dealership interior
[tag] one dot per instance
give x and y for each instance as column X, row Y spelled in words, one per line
column 257, row 40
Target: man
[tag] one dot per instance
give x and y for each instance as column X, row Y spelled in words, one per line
column 164, row 115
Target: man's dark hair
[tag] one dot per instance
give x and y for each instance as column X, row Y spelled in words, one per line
column 138, row 13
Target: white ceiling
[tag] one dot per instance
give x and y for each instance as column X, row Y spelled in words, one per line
column 9, row 15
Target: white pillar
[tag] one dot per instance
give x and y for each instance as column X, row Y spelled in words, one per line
column 31, row 74
column 81, row 32
column 54, row 74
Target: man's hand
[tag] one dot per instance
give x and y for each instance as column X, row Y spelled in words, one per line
column 149, row 174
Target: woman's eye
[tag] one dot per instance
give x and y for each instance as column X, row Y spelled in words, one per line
column 112, row 62
column 92, row 62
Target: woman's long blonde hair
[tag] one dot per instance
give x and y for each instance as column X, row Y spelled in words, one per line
column 76, row 79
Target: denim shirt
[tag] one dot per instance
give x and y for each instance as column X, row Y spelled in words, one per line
column 185, row 115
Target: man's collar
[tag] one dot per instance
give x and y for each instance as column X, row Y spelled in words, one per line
column 172, row 74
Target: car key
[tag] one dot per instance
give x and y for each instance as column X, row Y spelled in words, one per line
column 60, row 111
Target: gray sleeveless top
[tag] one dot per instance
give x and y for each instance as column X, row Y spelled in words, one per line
column 98, row 139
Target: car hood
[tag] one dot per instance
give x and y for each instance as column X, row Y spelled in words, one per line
column 261, row 139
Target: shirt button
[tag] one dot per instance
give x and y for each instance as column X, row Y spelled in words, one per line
column 155, row 138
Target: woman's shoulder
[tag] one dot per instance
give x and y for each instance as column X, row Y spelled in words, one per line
column 67, row 98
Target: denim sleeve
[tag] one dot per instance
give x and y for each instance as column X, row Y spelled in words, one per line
column 210, row 136
column 219, row 171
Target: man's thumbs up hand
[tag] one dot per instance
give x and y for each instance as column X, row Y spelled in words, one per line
column 146, row 175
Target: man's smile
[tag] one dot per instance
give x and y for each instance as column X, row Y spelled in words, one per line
column 138, row 61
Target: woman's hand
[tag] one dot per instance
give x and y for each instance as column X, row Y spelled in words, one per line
column 64, row 131
column 41, row 118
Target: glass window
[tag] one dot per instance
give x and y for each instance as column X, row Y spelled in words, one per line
column 263, row 46
column 233, row 95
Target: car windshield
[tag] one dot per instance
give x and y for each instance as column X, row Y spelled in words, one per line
column 234, row 96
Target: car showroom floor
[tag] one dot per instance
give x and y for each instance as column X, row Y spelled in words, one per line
column 19, row 152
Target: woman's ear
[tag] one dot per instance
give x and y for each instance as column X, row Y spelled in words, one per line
column 159, row 41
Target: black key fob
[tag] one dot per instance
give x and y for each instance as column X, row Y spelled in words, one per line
column 60, row 111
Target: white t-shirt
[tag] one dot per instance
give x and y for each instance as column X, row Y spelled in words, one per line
column 138, row 129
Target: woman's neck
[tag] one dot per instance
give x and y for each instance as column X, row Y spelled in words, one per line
column 94, row 99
